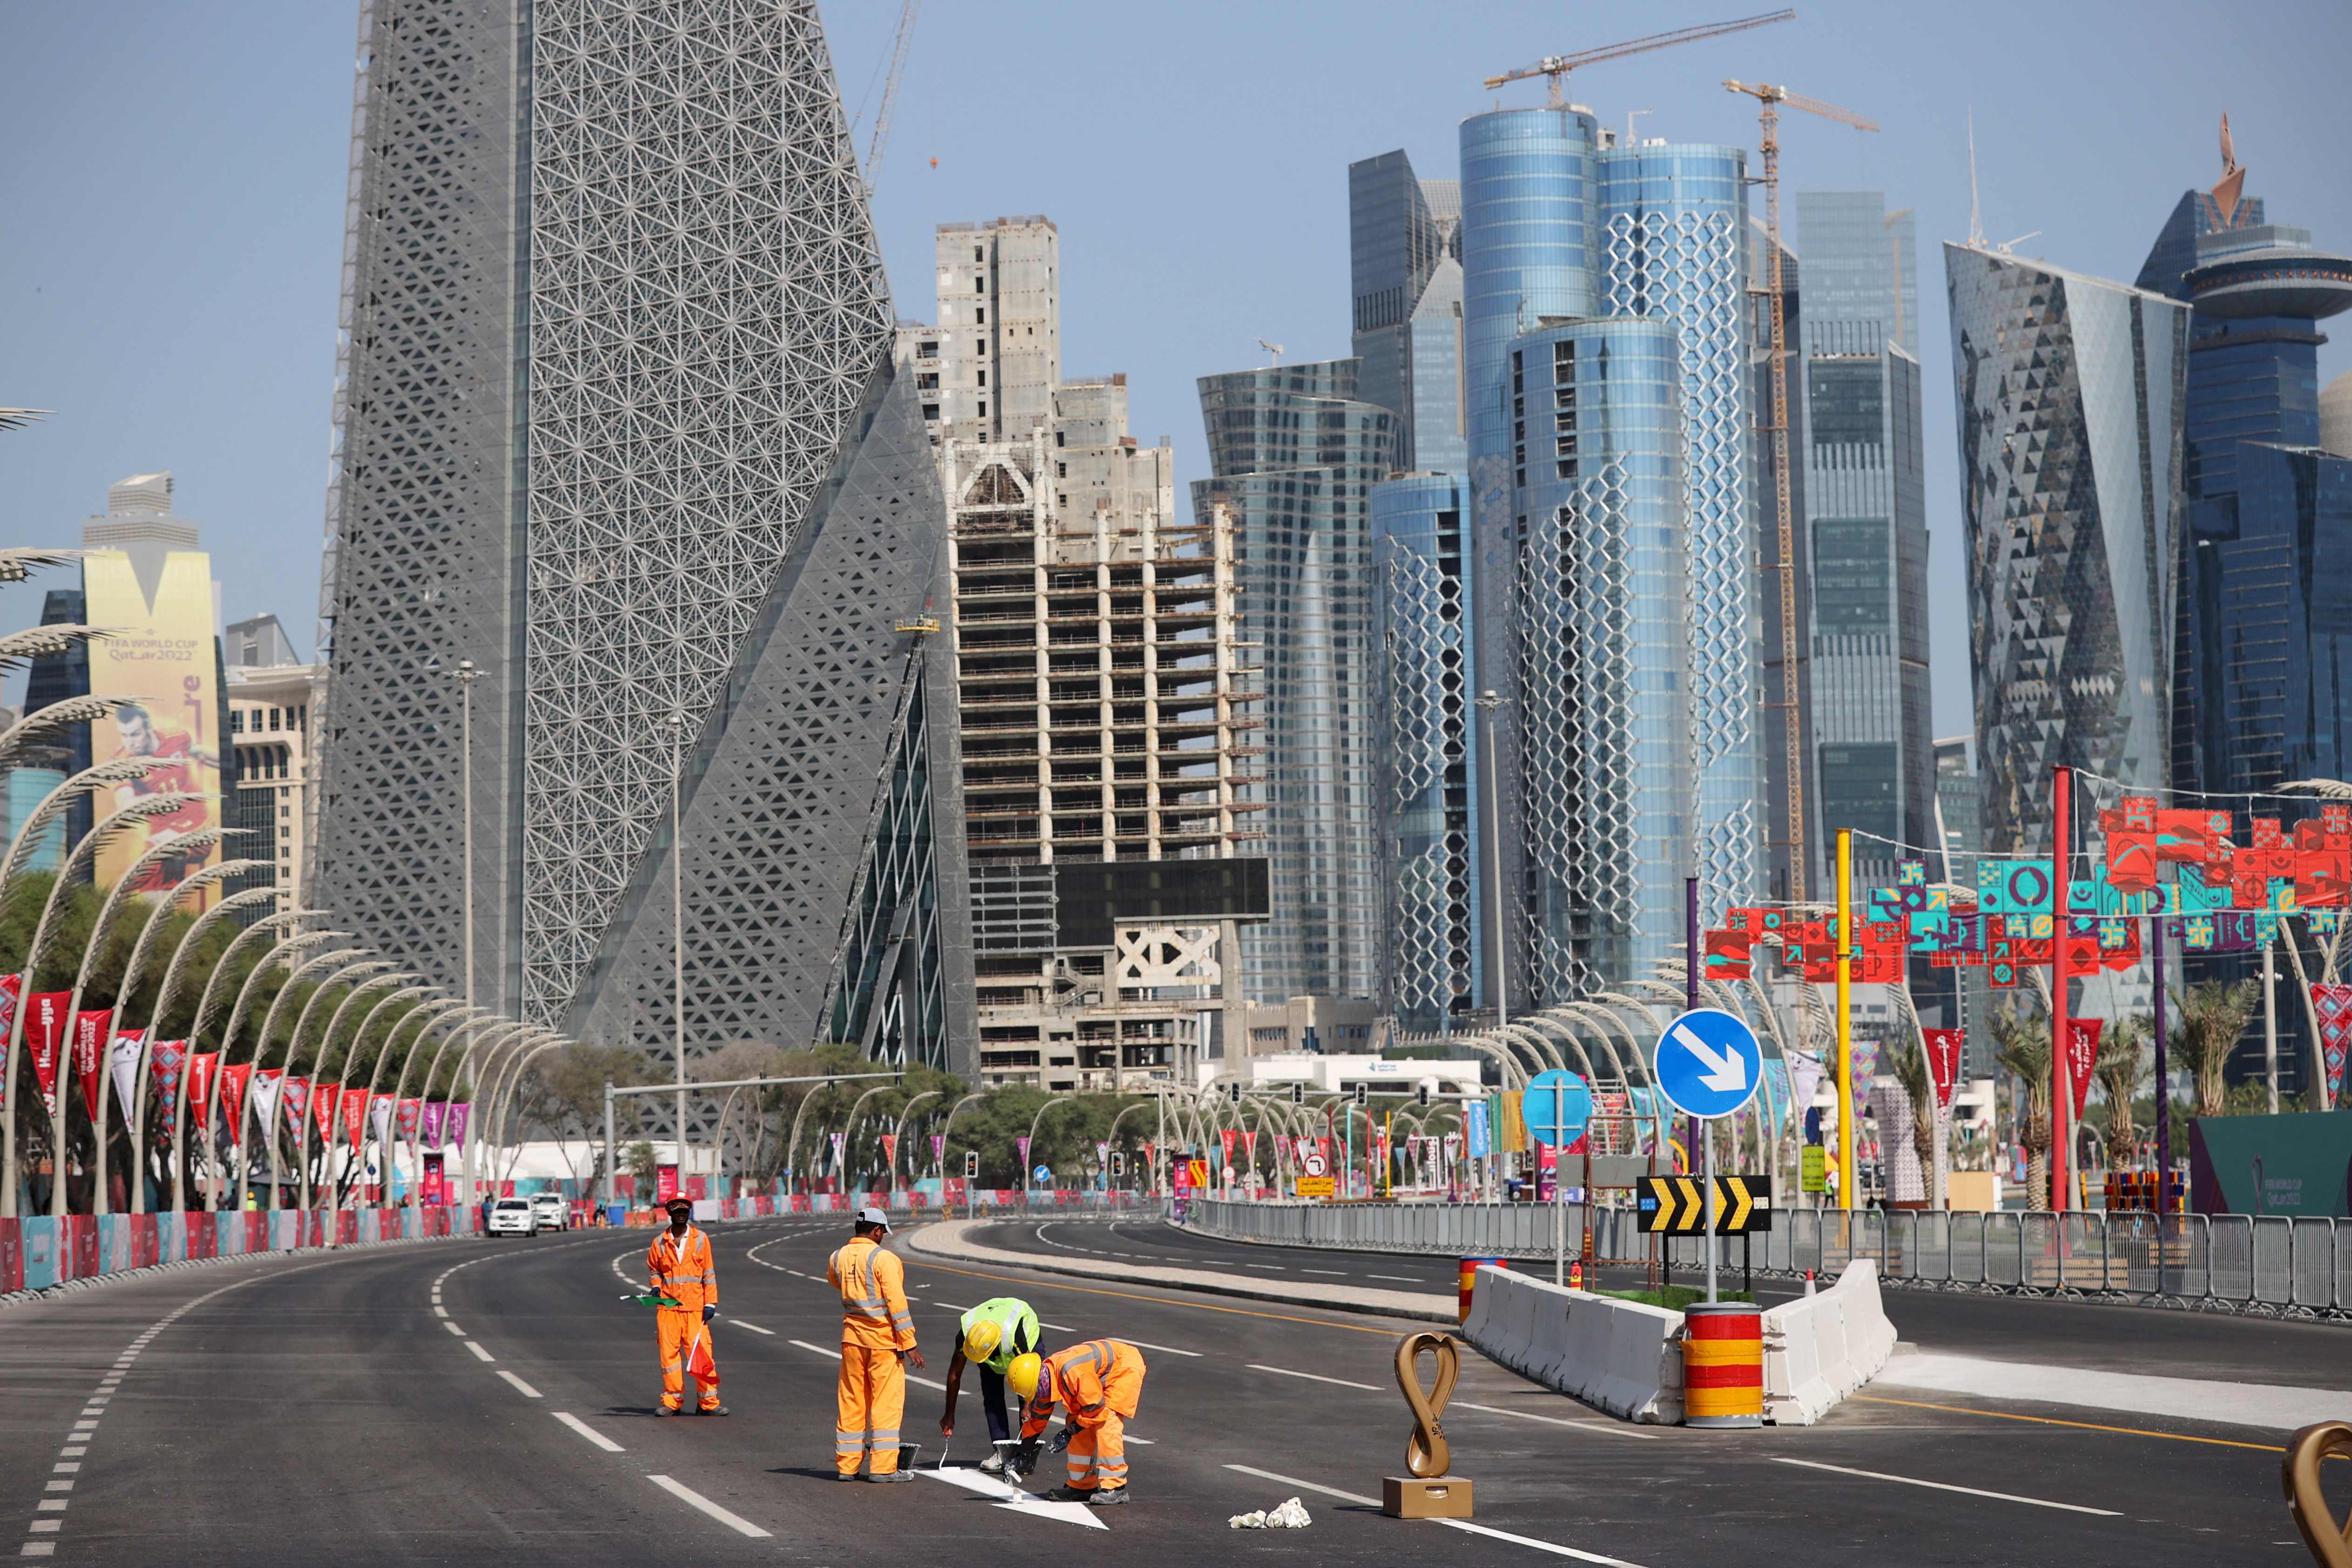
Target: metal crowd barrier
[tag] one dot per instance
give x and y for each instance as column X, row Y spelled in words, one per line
column 2271, row 1264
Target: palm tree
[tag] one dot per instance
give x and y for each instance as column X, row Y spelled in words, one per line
column 2211, row 1017
column 2120, row 1070
column 2022, row 1045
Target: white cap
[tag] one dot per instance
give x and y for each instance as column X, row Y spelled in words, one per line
column 872, row 1216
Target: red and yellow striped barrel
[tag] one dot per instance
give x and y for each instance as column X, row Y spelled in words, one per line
column 1723, row 1365
column 1468, row 1278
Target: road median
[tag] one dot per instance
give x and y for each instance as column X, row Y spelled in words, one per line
column 948, row 1241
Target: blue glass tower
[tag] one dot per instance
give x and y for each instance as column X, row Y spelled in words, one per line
column 1430, row 800
column 1404, row 247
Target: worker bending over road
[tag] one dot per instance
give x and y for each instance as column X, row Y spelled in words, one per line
column 877, row 1342
column 679, row 1263
column 992, row 1335
column 1097, row 1386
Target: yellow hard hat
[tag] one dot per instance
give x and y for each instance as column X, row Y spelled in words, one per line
column 981, row 1343
column 1022, row 1376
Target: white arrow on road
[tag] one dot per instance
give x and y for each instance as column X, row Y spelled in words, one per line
column 1013, row 1498
column 1727, row 1073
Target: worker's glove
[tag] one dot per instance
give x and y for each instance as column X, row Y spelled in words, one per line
column 710, row 1313
column 1061, row 1439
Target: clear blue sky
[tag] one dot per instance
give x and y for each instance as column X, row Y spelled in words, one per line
column 175, row 178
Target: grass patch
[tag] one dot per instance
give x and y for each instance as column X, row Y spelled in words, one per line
column 1676, row 1298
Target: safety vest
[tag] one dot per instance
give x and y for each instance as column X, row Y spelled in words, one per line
column 679, row 1267
column 873, row 1285
column 1018, row 1322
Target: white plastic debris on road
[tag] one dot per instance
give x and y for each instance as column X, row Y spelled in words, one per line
column 1291, row 1515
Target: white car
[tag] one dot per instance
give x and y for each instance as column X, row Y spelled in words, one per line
column 513, row 1216
column 551, row 1211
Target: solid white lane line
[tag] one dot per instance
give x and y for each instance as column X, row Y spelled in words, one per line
column 1945, row 1487
column 1313, row 1378
column 1607, row 1428
column 479, row 1353
column 1553, row 1547
column 526, row 1390
column 693, row 1499
column 753, row 1327
column 1164, row 1350
column 588, row 1432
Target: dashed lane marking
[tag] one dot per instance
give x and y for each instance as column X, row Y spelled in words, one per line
column 1397, row 1279
column 1552, row 1547
column 1313, row 1378
column 1386, row 1333
column 1944, row 1486
column 455, row 1329
column 692, row 1499
column 588, row 1432
column 1606, row 1429
column 753, row 1327
column 479, row 1353
column 926, row 1382
column 526, row 1390
column 1164, row 1350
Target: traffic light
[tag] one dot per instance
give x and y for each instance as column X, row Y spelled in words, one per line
column 1363, row 1093
column 971, row 1165
column 1119, row 1162
column 1422, row 1094
column 1298, row 1094
column 1234, row 1092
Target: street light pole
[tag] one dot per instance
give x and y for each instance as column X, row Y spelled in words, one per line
column 467, row 676
column 677, row 923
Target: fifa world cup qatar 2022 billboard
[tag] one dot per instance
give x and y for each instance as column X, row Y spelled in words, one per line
column 159, row 655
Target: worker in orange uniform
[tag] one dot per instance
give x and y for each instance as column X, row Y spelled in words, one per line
column 679, row 1263
column 877, row 1343
column 1096, row 1386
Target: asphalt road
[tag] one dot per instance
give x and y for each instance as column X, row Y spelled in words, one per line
column 302, row 1411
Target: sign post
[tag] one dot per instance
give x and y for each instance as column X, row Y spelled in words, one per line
column 1708, row 1064
column 1556, row 1106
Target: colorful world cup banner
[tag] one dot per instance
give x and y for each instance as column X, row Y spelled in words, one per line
column 890, row 1150
column 294, row 1093
column 380, row 1114
column 163, row 1063
column 264, row 1086
column 91, row 1030
column 323, row 1104
column 1944, row 1047
column 232, row 1089
column 161, row 656
column 433, row 1113
column 939, row 1148
column 2334, row 1006
column 2082, row 1055
column 44, row 1038
column 454, row 1119
column 123, row 1060
column 355, row 1116
column 10, row 985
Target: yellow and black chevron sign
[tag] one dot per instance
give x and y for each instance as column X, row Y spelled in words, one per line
column 1676, row 1205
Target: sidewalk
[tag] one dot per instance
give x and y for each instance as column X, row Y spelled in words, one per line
column 2266, row 1404
column 945, row 1241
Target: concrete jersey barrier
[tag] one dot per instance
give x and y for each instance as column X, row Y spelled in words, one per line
column 1623, row 1356
column 1819, row 1349
column 1627, row 1359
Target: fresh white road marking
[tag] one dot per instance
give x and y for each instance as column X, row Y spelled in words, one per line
column 753, row 1327
column 479, row 1353
column 1607, row 1428
column 526, row 1390
column 588, row 1432
column 692, row 1499
column 1015, row 1499
column 1312, row 1377
column 1945, row 1487
column 1165, row 1349
column 1551, row 1546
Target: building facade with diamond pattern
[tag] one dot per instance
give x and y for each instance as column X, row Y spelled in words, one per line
column 615, row 420
column 2070, row 392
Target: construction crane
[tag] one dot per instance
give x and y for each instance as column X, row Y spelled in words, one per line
column 1554, row 69
column 1791, row 717
column 1272, row 350
column 881, row 137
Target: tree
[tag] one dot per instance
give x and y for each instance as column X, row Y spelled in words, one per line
column 2022, row 1045
column 644, row 1168
column 2120, row 1069
column 2211, row 1017
column 567, row 1096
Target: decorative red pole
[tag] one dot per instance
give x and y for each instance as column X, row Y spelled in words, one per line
column 2062, row 1092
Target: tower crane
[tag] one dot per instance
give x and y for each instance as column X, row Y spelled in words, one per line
column 881, row 137
column 1554, row 69
column 1791, row 719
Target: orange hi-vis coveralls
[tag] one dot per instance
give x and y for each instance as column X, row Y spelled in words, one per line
column 1098, row 1385
column 680, row 1269
column 876, row 1328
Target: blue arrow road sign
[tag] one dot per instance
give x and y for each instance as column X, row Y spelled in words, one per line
column 1556, row 1107
column 1708, row 1063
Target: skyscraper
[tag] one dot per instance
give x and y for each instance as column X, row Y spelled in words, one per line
column 2069, row 395
column 1294, row 453
column 1561, row 227
column 1866, row 524
column 623, row 431
column 1404, row 252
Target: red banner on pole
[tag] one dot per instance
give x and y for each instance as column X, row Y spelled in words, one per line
column 91, row 1030
column 1944, row 1047
column 324, row 1102
column 45, row 1034
column 2082, row 1055
column 232, row 1088
column 1226, row 1138
column 2334, row 1006
column 355, row 1116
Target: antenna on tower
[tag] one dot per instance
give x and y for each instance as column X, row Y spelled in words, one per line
column 1976, row 214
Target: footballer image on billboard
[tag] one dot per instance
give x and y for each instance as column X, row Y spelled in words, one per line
column 161, row 657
